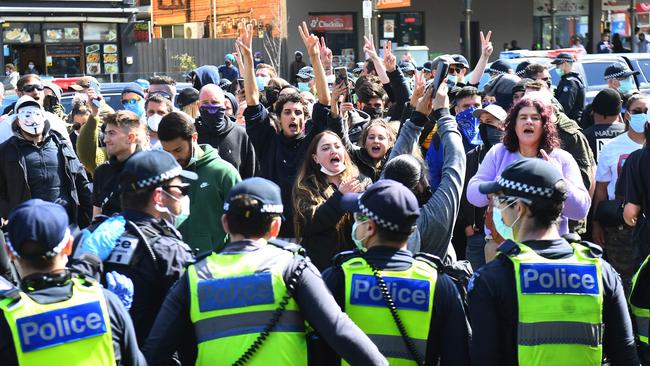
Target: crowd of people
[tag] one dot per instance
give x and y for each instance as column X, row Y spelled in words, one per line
column 381, row 215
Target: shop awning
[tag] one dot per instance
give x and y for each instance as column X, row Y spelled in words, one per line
column 65, row 14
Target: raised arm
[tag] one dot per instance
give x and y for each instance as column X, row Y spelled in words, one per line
column 312, row 44
column 487, row 48
column 369, row 49
column 244, row 45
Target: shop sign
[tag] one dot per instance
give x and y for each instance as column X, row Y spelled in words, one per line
column 141, row 32
column 562, row 7
column 615, row 5
column 643, row 7
column 391, row 4
column 321, row 23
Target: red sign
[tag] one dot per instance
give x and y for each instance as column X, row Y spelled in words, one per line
column 390, row 4
column 321, row 23
column 643, row 7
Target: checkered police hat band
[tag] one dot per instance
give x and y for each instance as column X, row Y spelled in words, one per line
column 381, row 222
column 525, row 188
column 617, row 75
column 152, row 181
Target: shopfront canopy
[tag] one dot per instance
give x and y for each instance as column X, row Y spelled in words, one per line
column 97, row 11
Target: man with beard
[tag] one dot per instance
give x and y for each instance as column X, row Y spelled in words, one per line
column 282, row 151
column 216, row 129
column 202, row 229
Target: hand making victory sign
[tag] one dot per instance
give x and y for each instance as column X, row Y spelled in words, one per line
column 313, row 46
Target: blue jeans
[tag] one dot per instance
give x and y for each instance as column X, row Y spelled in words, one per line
column 474, row 251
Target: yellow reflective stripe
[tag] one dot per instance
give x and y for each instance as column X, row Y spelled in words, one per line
column 394, row 346
column 246, row 323
column 534, row 334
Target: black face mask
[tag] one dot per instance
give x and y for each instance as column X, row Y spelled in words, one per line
column 298, row 58
column 424, row 196
column 373, row 112
column 213, row 118
column 490, row 134
column 272, row 95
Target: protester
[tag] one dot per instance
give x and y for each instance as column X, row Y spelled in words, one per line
column 520, row 317
column 188, row 102
column 52, row 100
column 306, row 80
column 202, row 229
column 230, row 140
column 133, row 99
column 228, row 70
column 325, row 175
column 11, row 78
column 204, row 75
column 156, row 107
column 85, row 85
column 76, row 119
column 606, row 112
column 38, row 162
column 295, row 66
column 252, row 220
column 162, row 85
column 604, row 46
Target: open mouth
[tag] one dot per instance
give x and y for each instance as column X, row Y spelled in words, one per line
column 376, row 149
column 529, row 131
column 293, row 126
column 335, row 160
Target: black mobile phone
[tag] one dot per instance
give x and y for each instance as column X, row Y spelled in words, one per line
column 341, row 75
column 441, row 76
column 240, row 82
column 94, row 86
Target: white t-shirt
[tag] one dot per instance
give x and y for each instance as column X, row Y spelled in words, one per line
column 611, row 160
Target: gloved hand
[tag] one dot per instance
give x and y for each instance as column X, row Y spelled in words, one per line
column 121, row 286
column 102, row 241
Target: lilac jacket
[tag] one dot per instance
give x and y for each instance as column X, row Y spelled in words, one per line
column 498, row 158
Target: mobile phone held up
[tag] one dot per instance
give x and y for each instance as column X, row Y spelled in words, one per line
column 341, row 75
column 240, row 82
column 441, row 76
column 94, row 86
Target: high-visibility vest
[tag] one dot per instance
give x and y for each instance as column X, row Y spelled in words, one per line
column 76, row 331
column 412, row 291
column 233, row 298
column 640, row 315
column 560, row 305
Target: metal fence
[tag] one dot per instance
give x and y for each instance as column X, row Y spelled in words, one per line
column 157, row 57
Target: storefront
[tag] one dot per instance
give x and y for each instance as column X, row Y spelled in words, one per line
column 571, row 19
column 66, row 39
column 340, row 34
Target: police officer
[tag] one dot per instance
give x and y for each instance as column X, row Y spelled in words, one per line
column 619, row 77
column 640, row 308
column 249, row 303
column 427, row 324
column 543, row 300
column 55, row 317
column 570, row 90
column 138, row 242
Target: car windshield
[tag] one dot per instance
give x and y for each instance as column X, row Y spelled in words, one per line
column 644, row 67
column 594, row 72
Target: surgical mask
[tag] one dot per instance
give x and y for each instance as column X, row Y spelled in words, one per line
column 559, row 71
column 302, row 86
column 153, row 121
column 185, row 209
column 212, row 114
column 31, row 119
column 31, row 66
column 504, row 230
column 637, row 122
column 7, row 73
column 490, row 134
column 137, row 108
column 357, row 242
column 626, row 86
column 373, row 112
column 451, row 81
column 262, row 81
column 331, row 173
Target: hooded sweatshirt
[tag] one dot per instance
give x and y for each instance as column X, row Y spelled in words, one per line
column 501, row 88
column 207, row 74
column 202, row 230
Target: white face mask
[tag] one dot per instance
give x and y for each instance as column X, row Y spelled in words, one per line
column 331, row 173
column 153, row 122
column 185, row 209
column 31, row 119
column 31, row 66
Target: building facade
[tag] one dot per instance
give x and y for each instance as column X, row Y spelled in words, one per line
column 67, row 38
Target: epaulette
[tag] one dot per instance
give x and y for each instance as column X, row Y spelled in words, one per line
column 509, row 247
column 430, row 259
column 169, row 230
column 595, row 249
column 199, row 257
column 8, row 290
column 292, row 247
column 344, row 256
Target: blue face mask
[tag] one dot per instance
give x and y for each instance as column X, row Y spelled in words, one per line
column 357, row 242
column 468, row 126
column 451, row 81
column 504, row 230
column 303, row 86
column 559, row 71
column 262, row 81
column 637, row 122
column 626, row 86
column 137, row 108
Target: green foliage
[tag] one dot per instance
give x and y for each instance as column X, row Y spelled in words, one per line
column 185, row 62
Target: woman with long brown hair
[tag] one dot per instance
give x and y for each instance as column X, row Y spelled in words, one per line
column 326, row 173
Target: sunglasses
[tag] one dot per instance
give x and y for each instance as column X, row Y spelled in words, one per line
column 185, row 189
column 159, row 94
column 30, row 87
column 131, row 101
column 455, row 70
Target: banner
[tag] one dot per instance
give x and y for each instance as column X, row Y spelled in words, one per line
column 320, row 23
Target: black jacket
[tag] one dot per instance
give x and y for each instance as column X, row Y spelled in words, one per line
column 232, row 143
column 280, row 157
column 14, row 188
column 494, row 311
column 570, row 93
column 449, row 331
column 105, row 183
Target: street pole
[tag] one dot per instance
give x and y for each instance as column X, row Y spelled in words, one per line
column 632, row 24
column 367, row 18
column 213, row 26
column 553, row 11
column 468, row 29
column 374, row 30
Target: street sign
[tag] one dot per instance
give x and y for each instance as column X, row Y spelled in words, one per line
column 367, row 9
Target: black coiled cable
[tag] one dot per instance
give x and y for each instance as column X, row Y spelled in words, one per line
column 291, row 286
column 393, row 311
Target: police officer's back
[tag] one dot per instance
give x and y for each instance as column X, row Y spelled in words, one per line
column 427, row 303
column 139, row 243
column 570, row 90
column 55, row 317
column 220, row 307
column 543, row 300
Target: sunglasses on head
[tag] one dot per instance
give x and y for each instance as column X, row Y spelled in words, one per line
column 30, row 87
column 131, row 101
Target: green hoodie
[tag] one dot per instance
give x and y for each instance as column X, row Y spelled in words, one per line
column 202, row 230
